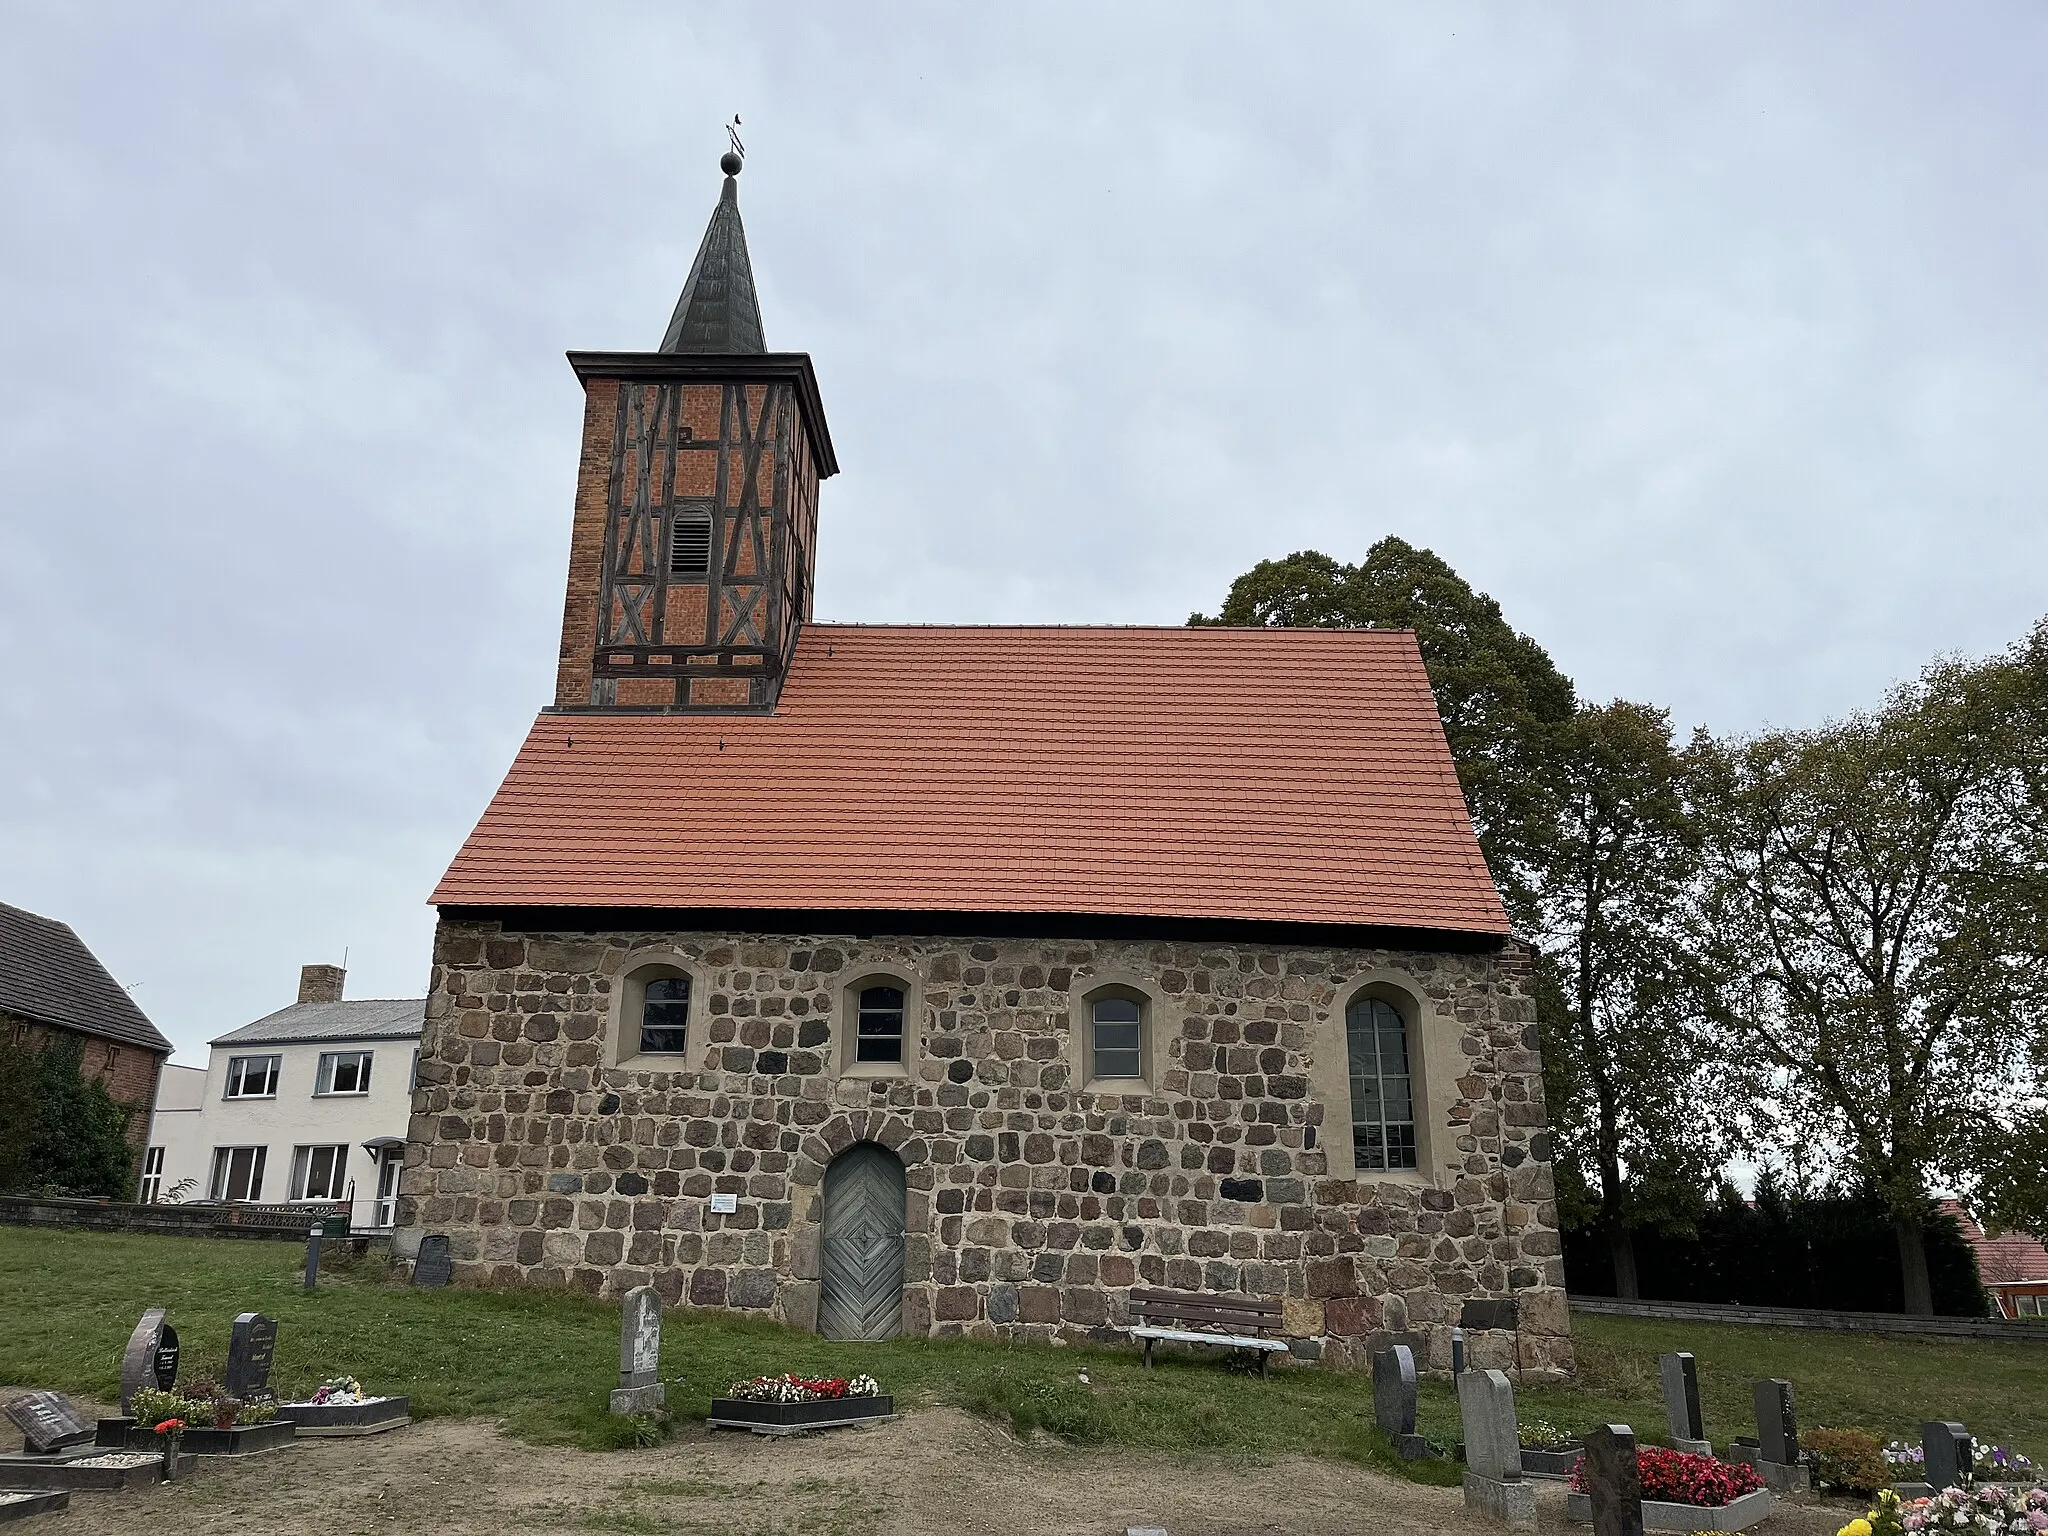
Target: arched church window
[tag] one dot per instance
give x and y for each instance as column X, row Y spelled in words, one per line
column 665, row 1016
column 1382, row 1085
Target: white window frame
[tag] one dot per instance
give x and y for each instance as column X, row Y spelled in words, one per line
column 390, row 1166
column 152, row 1175
column 1370, row 1113
column 331, row 1063
column 222, row 1176
column 238, row 1076
column 303, row 1161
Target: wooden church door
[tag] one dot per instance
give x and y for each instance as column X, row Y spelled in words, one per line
column 860, row 1291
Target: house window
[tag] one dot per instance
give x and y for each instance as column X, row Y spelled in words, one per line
column 1382, row 1086
column 878, row 1024
column 665, row 1016
column 113, row 1057
column 689, row 549
column 1116, row 1037
column 152, row 1175
column 253, row 1077
column 237, row 1173
column 343, row 1072
column 2026, row 1306
column 317, row 1171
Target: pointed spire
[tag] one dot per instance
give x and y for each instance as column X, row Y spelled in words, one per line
column 718, row 311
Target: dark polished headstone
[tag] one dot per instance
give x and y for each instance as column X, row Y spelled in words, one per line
column 49, row 1421
column 1777, row 1427
column 250, row 1347
column 1951, row 1457
column 1614, row 1483
column 435, row 1265
column 1393, row 1390
column 151, row 1359
column 1682, row 1400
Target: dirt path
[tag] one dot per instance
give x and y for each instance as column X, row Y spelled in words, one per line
column 933, row 1472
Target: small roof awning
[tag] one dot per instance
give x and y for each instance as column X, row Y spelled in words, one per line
column 380, row 1143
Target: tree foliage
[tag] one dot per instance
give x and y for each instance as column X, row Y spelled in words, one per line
column 1874, row 967
column 60, row 1132
column 1623, row 1053
column 1503, row 701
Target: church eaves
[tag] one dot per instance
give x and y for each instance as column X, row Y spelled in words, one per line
column 718, row 312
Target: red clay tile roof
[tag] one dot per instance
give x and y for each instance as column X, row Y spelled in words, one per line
column 1262, row 774
column 2001, row 1260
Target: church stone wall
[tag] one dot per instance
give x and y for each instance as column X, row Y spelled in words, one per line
column 1034, row 1205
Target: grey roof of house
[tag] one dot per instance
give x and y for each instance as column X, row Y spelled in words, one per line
column 370, row 1018
column 718, row 311
column 48, row 976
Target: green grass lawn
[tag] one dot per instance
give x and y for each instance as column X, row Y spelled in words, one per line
column 544, row 1362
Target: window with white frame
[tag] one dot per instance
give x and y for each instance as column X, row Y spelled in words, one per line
column 317, row 1172
column 152, row 1175
column 665, row 1016
column 1116, row 1037
column 253, row 1077
column 1382, row 1086
column 237, row 1173
column 343, row 1072
column 878, row 1023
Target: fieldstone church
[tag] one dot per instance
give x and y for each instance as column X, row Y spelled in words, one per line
column 917, row 979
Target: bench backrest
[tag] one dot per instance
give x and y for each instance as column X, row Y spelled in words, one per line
column 1205, row 1311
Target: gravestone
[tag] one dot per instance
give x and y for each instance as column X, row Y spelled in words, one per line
column 1950, row 1457
column 49, row 1421
column 1776, row 1455
column 1493, row 1449
column 435, row 1265
column 250, row 1346
column 1682, row 1404
column 151, row 1359
column 1393, row 1400
column 1614, row 1483
column 639, row 1389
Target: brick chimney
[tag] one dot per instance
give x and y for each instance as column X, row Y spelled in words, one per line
column 320, row 983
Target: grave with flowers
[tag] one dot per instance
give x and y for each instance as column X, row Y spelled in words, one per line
column 1684, row 1491
column 340, row 1406
column 788, row 1405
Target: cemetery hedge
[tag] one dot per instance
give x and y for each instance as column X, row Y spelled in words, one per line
column 543, row 1362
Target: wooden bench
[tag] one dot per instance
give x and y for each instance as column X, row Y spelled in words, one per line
column 1207, row 1317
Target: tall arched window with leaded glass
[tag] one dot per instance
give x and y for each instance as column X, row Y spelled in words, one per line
column 1382, row 1085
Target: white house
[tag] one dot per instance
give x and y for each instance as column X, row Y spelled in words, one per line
column 306, row 1104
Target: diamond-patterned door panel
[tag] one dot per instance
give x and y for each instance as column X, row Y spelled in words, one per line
column 860, row 1291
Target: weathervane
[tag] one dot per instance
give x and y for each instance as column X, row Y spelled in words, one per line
column 731, row 161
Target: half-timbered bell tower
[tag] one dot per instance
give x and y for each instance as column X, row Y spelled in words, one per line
column 690, row 564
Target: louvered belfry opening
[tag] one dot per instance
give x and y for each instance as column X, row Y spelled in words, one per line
column 860, row 1273
column 690, row 571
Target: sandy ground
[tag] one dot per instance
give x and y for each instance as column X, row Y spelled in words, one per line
column 937, row 1471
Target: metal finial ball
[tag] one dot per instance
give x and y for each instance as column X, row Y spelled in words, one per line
column 730, row 163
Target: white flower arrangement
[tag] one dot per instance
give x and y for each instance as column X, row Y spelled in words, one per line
column 803, row 1389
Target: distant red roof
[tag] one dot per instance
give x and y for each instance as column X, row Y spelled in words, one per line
column 2001, row 1260
column 1266, row 774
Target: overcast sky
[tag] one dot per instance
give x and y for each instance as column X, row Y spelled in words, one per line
column 1709, row 339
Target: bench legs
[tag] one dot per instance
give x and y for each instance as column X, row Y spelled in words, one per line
column 1148, row 1353
column 1265, row 1359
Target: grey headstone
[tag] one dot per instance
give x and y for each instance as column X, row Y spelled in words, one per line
column 1393, row 1390
column 1682, row 1397
column 639, row 1389
column 1614, row 1483
column 435, row 1265
column 640, row 1337
column 1777, row 1427
column 138, row 1363
column 1951, row 1457
column 250, row 1347
column 49, row 1421
column 1486, row 1405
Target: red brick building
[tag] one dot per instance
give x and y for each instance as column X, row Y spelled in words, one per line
column 963, row 980
column 52, row 985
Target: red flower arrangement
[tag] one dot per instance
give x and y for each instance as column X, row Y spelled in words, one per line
column 1680, row 1477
